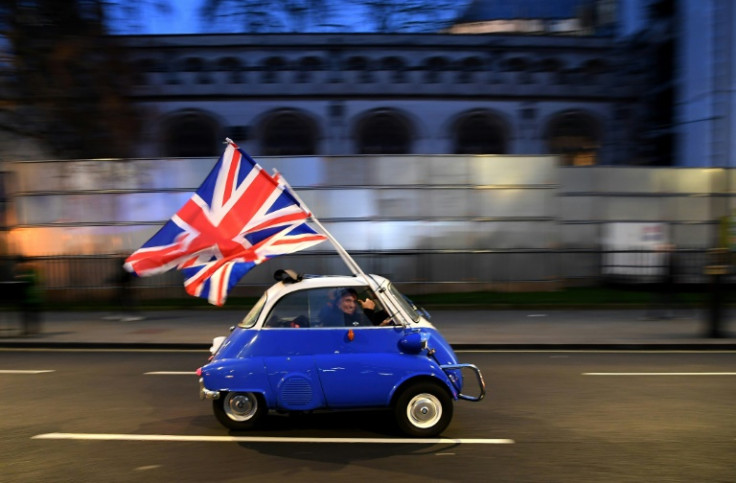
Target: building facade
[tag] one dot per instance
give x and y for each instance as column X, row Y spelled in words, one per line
column 330, row 94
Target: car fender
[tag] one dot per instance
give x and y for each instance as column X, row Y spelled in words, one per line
column 439, row 378
column 237, row 375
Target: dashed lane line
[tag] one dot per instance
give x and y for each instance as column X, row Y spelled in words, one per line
column 170, row 373
column 659, row 374
column 261, row 439
column 19, row 371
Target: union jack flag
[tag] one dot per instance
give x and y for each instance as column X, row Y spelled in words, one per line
column 239, row 217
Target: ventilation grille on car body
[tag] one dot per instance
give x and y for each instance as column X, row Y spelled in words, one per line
column 296, row 391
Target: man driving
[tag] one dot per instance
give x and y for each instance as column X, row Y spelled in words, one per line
column 347, row 313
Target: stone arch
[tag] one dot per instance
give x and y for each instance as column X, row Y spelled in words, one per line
column 190, row 133
column 480, row 132
column 575, row 135
column 383, row 131
column 288, row 132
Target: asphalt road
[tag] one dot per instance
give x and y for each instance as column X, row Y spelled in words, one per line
column 548, row 416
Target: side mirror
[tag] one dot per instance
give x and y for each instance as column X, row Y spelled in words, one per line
column 412, row 343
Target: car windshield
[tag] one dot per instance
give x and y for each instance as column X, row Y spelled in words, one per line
column 250, row 319
column 406, row 305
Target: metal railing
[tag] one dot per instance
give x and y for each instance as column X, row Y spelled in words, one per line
column 98, row 277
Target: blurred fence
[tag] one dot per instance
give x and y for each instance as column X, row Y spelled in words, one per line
column 97, row 277
column 436, row 223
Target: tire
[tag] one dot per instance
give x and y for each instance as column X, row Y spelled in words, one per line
column 239, row 411
column 423, row 409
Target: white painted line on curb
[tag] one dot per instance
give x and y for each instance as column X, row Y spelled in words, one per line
column 659, row 374
column 43, row 371
column 170, row 373
column 262, row 439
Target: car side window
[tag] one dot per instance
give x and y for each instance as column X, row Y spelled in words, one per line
column 350, row 307
column 292, row 310
column 325, row 307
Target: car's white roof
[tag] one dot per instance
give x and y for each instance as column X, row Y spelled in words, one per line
column 324, row 281
column 279, row 289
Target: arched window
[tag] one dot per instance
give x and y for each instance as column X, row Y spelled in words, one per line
column 362, row 66
column 234, row 68
column 553, row 68
column 521, row 66
column 271, row 68
column 289, row 133
column 434, row 67
column 307, row 65
column 480, row 133
column 142, row 70
column 196, row 66
column 575, row 136
column 467, row 68
column 396, row 66
column 383, row 132
column 593, row 69
column 190, row 135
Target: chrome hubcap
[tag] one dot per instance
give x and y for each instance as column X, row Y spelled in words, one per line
column 240, row 406
column 424, row 410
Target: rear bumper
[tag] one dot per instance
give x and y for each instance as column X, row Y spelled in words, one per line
column 205, row 393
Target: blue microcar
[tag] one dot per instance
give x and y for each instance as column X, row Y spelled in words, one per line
column 332, row 343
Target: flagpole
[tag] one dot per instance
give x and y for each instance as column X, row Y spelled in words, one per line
column 352, row 265
column 349, row 261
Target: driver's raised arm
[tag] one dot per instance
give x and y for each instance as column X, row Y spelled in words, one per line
column 377, row 317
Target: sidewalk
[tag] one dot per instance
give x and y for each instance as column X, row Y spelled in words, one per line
column 493, row 329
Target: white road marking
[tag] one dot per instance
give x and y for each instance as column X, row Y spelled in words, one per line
column 593, row 351
column 42, row 371
column 262, row 439
column 88, row 349
column 170, row 373
column 465, row 351
column 659, row 374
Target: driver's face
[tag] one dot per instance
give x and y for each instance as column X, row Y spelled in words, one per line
column 347, row 304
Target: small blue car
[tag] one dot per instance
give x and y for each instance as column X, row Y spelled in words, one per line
column 332, row 343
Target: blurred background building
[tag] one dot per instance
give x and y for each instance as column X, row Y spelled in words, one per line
column 500, row 144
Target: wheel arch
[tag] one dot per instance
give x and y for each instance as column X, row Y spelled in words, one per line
column 418, row 380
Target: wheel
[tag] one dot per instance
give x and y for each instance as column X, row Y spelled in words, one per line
column 423, row 409
column 239, row 410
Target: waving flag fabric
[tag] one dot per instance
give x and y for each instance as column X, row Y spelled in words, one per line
column 239, row 217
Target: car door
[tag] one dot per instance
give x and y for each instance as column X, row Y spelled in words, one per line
column 362, row 367
column 287, row 344
column 359, row 366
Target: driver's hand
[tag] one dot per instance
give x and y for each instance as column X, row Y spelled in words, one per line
column 388, row 321
column 367, row 304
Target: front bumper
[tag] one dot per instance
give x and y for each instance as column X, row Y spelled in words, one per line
column 478, row 376
column 205, row 393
